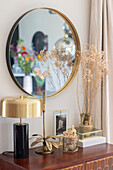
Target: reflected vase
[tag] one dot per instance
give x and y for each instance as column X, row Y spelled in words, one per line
column 27, row 83
column 40, row 87
column 39, row 91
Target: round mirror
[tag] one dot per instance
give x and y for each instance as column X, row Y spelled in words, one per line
column 41, row 52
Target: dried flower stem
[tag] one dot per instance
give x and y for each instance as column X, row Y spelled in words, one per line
column 93, row 68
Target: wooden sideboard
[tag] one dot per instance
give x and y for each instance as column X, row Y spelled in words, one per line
column 99, row 157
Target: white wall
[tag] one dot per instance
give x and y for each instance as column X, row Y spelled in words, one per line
column 78, row 12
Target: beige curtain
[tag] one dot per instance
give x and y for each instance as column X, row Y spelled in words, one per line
column 101, row 35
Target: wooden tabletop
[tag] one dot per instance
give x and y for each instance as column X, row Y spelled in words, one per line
column 58, row 158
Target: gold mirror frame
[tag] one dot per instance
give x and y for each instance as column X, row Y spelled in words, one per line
column 76, row 41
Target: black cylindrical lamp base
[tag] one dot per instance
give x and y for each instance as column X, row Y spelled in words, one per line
column 21, row 140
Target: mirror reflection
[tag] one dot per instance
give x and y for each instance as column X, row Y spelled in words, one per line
column 42, row 52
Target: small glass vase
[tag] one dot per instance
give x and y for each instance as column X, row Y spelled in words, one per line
column 70, row 144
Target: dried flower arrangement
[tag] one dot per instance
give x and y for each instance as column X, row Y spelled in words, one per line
column 93, row 71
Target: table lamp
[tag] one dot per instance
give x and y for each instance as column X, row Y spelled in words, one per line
column 21, row 107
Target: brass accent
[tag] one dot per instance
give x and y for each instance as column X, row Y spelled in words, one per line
column 37, row 141
column 86, row 128
column 21, row 97
column 20, row 121
column 43, row 151
column 78, row 167
column 90, row 164
column 95, row 132
column 60, row 141
column 77, row 44
column 21, row 107
column 86, row 123
column 47, row 145
column 44, row 99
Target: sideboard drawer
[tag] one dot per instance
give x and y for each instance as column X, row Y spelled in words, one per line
column 76, row 167
column 100, row 164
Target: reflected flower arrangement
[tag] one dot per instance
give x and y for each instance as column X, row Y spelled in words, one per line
column 40, row 76
column 57, row 65
column 25, row 59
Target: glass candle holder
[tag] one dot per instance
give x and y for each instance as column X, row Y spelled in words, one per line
column 70, row 144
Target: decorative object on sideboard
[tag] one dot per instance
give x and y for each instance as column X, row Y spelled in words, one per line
column 70, row 140
column 47, row 144
column 60, row 122
column 92, row 141
column 86, row 135
column 86, row 139
column 94, row 71
column 21, row 107
column 92, row 138
column 86, row 122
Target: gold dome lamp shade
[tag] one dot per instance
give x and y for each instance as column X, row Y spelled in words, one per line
column 21, row 107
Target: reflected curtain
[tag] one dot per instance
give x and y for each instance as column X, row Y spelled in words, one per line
column 101, row 35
